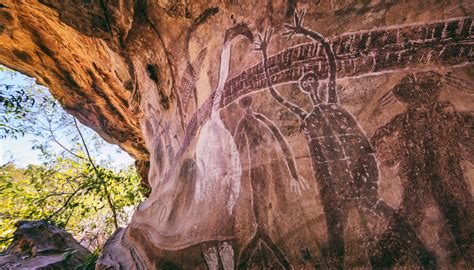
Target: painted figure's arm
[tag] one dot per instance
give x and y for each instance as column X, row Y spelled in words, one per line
column 466, row 126
column 239, row 134
column 298, row 29
column 386, row 130
column 298, row 182
column 264, row 41
column 241, row 141
column 387, row 143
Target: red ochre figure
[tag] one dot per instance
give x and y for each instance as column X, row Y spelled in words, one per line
column 344, row 165
column 428, row 141
column 258, row 134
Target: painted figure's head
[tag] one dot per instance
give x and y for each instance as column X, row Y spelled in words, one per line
column 309, row 84
column 420, row 88
column 246, row 101
column 237, row 30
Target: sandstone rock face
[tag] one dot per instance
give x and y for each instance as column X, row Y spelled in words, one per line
column 40, row 245
column 279, row 134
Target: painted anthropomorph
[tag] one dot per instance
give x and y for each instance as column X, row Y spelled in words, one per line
column 341, row 157
column 428, row 142
column 259, row 135
column 218, row 162
column 194, row 193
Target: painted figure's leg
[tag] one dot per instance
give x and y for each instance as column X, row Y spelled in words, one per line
column 456, row 205
column 218, row 255
column 260, row 237
column 226, row 253
column 335, row 217
column 210, row 256
column 334, row 210
column 399, row 243
column 260, row 197
column 246, row 253
column 277, row 252
column 260, row 193
column 366, row 194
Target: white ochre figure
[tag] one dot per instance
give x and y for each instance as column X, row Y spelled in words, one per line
column 217, row 156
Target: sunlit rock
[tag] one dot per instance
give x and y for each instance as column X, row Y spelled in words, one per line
column 40, row 245
column 279, row 134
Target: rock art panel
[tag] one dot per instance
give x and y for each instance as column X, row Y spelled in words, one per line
column 234, row 187
column 279, row 134
column 429, row 140
column 259, row 135
column 341, row 155
column 242, row 177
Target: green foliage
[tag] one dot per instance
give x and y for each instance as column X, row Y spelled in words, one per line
column 86, row 196
column 67, row 193
column 19, row 96
column 90, row 261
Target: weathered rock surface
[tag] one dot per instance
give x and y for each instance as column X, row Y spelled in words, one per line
column 40, row 245
column 350, row 145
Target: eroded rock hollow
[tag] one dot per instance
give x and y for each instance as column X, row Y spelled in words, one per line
column 273, row 134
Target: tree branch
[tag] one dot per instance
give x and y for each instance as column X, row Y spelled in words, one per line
column 99, row 175
column 63, row 147
column 65, row 203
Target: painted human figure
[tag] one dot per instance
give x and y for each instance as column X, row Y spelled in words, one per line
column 208, row 177
column 428, row 142
column 341, row 156
column 259, row 134
column 218, row 163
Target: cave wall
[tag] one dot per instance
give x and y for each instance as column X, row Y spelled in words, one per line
column 360, row 156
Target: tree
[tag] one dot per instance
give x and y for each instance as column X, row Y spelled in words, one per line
column 71, row 195
column 16, row 101
column 71, row 188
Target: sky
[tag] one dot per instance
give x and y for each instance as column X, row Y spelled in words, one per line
column 20, row 150
column 21, row 153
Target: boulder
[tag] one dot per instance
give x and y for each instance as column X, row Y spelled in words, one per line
column 40, row 245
